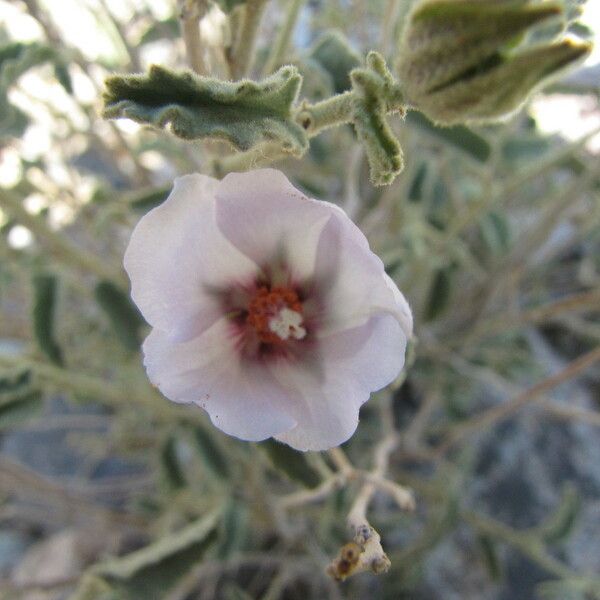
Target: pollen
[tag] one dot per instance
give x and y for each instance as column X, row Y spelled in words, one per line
column 276, row 315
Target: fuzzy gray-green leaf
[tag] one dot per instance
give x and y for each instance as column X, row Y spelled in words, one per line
column 334, row 53
column 376, row 94
column 245, row 113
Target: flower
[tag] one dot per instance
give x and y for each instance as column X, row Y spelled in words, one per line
column 268, row 308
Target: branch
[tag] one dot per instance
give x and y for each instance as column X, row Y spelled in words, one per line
column 190, row 13
column 284, row 36
column 243, row 52
column 58, row 245
column 503, row 411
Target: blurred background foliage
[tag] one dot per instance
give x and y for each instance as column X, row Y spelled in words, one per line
column 493, row 233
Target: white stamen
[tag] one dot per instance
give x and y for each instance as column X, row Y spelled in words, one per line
column 287, row 323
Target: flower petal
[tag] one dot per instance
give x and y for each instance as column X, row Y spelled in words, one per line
column 354, row 363
column 351, row 281
column 177, row 255
column 267, row 218
column 243, row 400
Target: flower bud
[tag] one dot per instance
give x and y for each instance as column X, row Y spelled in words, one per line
column 457, row 61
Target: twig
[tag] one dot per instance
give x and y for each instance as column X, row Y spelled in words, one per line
column 573, row 413
column 503, row 411
column 317, row 494
column 190, row 13
column 367, row 554
column 243, row 52
column 132, row 51
column 523, row 541
column 279, row 48
column 576, row 302
column 341, row 461
column 57, row 244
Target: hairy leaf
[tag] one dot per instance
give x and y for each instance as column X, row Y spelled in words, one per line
column 334, row 53
column 245, row 113
column 377, row 94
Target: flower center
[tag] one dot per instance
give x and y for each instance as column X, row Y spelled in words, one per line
column 276, row 315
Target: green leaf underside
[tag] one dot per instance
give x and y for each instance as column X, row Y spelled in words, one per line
column 245, row 113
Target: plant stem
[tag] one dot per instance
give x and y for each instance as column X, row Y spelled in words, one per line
column 279, row 48
column 524, row 542
column 502, row 411
column 243, row 52
column 191, row 11
column 58, row 245
column 585, row 301
column 313, row 118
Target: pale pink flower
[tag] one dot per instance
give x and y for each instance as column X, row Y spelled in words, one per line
column 268, row 308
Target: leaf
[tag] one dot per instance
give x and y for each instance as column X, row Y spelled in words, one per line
column 495, row 232
column 148, row 199
column 44, row 305
column 459, row 136
column 159, row 30
column 561, row 523
column 152, row 571
column 14, row 383
column 415, row 192
column 20, row 408
column 290, row 462
column 171, row 469
column 489, row 556
column 565, row 589
column 376, row 94
column 245, row 113
column 228, row 5
column 334, row 53
column 20, row 399
column 233, row 529
column 17, row 58
column 232, row 591
column 125, row 318
column 439, row 294
column 210, row 453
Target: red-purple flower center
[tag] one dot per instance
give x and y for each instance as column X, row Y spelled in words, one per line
column 276, row 315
